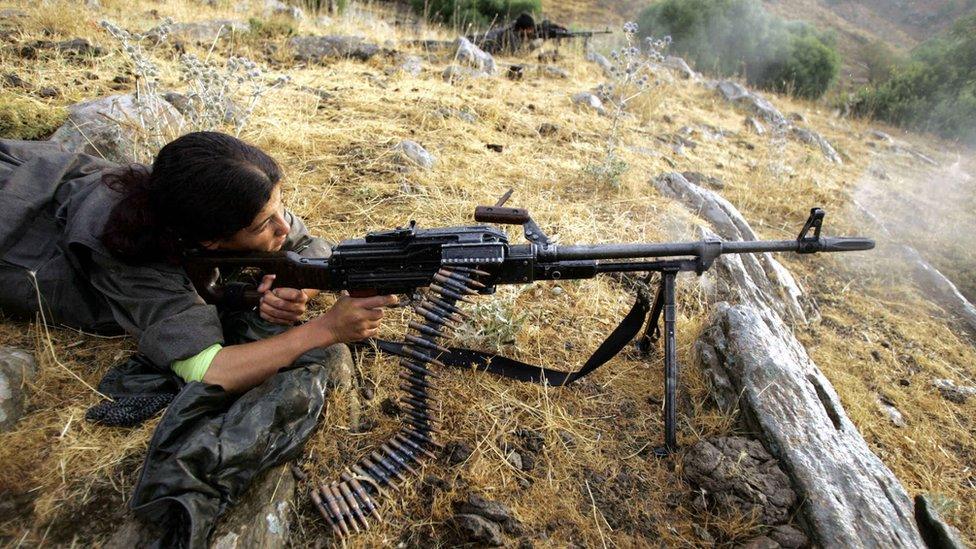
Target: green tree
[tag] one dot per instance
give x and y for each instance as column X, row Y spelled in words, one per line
column 935, row 90
column 738, row 37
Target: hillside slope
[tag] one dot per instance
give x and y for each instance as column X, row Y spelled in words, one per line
column 333, row 127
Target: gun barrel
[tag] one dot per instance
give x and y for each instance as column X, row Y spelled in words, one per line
column 685, row 249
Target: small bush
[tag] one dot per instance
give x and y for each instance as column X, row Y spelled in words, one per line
column 275, row 27
column 24, row 118
column 935, row 90
column 477, row 13
column 738, row 37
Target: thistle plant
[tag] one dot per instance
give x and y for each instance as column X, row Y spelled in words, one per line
column 226, row 96
column 629, row 78
column 216, row 97
column 153, row 126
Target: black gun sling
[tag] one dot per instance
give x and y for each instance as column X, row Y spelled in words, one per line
column 515, row 369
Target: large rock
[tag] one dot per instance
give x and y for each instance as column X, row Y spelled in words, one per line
column 316, row 49
column 113, row 127
column 474, row 57
column 17, row 368
column 207, row 31
column 263, row 517
column 813, row 138
column 849, row 497
column 752, row 102
column 745, row 278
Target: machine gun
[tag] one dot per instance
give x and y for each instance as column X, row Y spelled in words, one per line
column 524, row 30
column 455, row 264
column 547, row 30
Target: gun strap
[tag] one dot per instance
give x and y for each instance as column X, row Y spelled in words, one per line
column 523, row 371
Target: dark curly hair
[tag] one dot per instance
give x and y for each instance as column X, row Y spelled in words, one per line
column 202, row 186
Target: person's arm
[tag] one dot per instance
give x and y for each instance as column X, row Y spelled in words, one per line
column 239, row 367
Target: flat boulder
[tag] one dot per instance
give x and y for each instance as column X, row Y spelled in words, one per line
column 318, row 49
column 112, row 127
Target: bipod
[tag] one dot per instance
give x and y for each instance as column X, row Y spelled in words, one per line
column 664, row 302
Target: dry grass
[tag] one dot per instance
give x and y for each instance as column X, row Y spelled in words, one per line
column 594, row 483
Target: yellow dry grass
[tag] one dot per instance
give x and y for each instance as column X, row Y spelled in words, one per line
column 594, row 483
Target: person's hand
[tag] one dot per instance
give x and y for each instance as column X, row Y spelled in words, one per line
column 355, row 318
column 281, row 305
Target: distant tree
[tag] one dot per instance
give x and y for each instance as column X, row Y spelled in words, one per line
column 935, row 90
column 738, row 37
column 879, row 59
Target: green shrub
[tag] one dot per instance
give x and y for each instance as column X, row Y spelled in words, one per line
column 738, row 37
column 935, row 90
column 477, row 13
column 880, row 60
column 274, row 27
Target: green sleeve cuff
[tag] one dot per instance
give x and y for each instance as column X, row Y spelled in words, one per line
column 194, row 368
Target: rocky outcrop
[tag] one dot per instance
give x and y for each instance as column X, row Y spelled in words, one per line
column 815, row 139
column 744, row 278
column 850, row 499
column 752, row 102
column 319, row 49
column 760, row 107
column 17, row 368
column 112, row 127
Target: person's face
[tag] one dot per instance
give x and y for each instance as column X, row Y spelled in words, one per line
column 266, row 233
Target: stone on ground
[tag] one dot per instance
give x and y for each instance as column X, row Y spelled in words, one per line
column 472, row 56
column 318, row 49
column 112, row 127
column 17, row 368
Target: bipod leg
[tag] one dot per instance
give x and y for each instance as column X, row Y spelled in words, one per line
column 652, row 332
column 670, row 366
